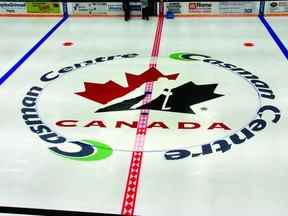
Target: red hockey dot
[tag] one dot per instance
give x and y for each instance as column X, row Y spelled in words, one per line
column 249, row 44
column 67, row 43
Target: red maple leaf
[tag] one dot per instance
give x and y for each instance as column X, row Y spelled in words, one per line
column 104, row 93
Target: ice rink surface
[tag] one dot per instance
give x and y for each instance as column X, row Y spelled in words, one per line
column 18, row 36
column 226, row 178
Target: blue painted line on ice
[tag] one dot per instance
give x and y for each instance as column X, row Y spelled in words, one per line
column 274, row 36
column 31, row 51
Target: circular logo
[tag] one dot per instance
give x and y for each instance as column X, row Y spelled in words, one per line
column 88, row 110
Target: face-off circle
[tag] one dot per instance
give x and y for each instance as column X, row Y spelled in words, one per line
column 104, row 101
column 87, row 110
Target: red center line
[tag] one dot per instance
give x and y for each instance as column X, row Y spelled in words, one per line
column 128, row 205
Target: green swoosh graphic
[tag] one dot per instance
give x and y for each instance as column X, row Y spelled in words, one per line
column 177, row 56
column 103, row 151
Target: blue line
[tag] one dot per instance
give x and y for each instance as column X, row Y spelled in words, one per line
column 31, row 51
column 274, row 36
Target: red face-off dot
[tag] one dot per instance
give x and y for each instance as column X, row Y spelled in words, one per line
column 249, row 44
column 68, row 44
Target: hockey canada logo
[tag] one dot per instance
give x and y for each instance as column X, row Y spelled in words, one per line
column 191, row 107
column 179, row 99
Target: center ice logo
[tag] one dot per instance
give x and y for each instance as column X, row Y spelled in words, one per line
column 174, row 98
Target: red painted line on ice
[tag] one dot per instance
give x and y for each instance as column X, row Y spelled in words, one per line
column 128, row 205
